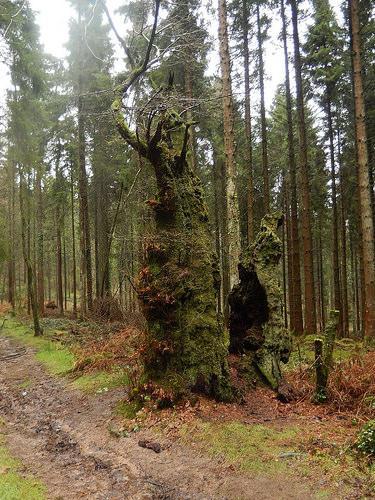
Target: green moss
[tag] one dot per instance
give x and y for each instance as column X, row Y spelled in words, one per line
column 13, row 485
column 128, row 409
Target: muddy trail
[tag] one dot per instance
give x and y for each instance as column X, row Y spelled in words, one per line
column 62, row 437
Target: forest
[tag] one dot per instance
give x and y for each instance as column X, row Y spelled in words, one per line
column 187, row 249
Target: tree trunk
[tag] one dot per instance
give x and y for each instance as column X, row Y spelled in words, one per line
column 344, row 246
column 256, row 326
column 266, row 181
column 59, row 267
column 186, row 344
column 26, row 255
column 365, row 209
column 335, row 232
column 248, row 133
column 85, row 240
column 11, row 247
column 217, row 184
column 309, row 295
column 40, row 240
column 324, row 357
column 74, row 270
column 234, row 244
column 296, row 319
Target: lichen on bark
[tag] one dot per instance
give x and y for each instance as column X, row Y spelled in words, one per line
column 257, row 328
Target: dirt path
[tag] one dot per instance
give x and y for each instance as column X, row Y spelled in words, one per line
column 61, row 435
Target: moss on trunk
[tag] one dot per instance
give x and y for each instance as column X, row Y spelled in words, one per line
column 256, row 324
column 186, row 345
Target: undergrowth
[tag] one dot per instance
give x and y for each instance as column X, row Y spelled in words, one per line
column 121, row 351
column 351, row 384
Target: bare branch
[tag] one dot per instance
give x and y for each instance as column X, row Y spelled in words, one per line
column 86, row 26
column 119, row 38
column 13, row 17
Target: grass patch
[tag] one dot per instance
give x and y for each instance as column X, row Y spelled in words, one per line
column 251, row 448
column 289, row 452
column 13, row 485
column 59, row 360
column 25, row 384
column 101, row 381
column 54, row 356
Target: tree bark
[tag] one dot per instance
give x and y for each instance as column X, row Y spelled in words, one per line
column 40, row 240
column 11, row 226
column 265, row 168
column 26, row 255
column 365, row 208
column 296, row 319
column 74, row 264
column 248, row 132
column 309, row 291
column 234, row 244
column 85, row 240
column 335, row 231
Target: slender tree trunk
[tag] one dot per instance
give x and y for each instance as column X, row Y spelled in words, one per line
column 344, row 257
column 217, row 184
column 65, row 271
column 59, row 267
column 335, row 231
column 248, row 132
column 296, row 294
column 11, row 247
column 367, row 223
column 40, row 240
column 225, row 257
column 284, row 260
column 234, row 244
column 309, row 295
column 85, row 240
column 188, row 77
column 265, row 168
column 74, row 270
column 26, row 255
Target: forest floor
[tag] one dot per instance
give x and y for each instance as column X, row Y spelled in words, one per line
column 80, row 438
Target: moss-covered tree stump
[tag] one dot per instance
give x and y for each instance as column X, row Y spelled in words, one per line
column 257, row 328
column 186, row 344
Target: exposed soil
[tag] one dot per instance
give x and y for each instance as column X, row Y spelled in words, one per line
column 62, row 436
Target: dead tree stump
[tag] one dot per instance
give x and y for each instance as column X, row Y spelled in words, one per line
column 256, row 325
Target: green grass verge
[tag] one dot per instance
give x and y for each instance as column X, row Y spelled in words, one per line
column 13, row 485
column 53, row 355
column 251, row 448
column 273, row 452
column 59, row 360
column 101, row 381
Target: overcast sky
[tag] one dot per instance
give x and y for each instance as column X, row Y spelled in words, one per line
column 53, row 18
